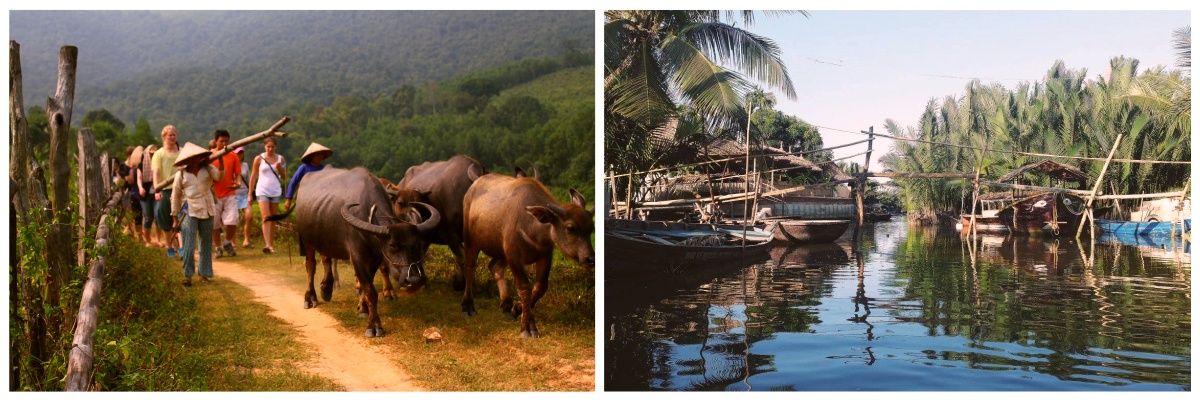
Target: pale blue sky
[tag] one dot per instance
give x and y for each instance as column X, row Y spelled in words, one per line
column 855, row 69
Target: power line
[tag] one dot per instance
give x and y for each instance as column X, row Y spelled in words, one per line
column 1002, row 151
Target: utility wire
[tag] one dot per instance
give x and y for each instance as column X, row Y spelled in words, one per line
column 1004, row 151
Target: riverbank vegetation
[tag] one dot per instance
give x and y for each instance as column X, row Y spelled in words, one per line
column 1067, row 113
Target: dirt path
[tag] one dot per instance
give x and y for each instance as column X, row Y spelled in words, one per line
column 344, row 358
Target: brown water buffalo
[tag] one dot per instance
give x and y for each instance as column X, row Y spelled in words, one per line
column 516, row 222
column 335, row 214
column 441, row 184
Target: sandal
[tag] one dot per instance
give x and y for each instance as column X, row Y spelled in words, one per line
column 268, row 250
column 246, row 245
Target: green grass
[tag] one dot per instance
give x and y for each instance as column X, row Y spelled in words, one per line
column 481, row 353
column 165, row 337
column 566, row 89
column 156, row 335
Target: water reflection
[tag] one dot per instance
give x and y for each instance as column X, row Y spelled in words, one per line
column 911, row 309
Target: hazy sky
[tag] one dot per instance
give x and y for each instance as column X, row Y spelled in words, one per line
column 855, row 69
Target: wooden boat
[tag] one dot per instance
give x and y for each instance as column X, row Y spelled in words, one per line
column 876, row 213
column 800, row 231
column 988, row 219
column 1144, row 228
column 1037, row 211
column 1045, row 212
column 1034, row 213
column 668, row 247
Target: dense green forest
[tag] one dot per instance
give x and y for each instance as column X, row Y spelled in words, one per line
column 508, row 88
column 201, row 70
column 536, row 112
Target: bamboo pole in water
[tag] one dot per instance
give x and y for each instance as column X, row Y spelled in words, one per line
column 975, row 192
column 1087, row 211
column 1179, row 208
column 746, row 202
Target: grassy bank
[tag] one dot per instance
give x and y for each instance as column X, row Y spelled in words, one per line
column 156, row 335
column 481, row 353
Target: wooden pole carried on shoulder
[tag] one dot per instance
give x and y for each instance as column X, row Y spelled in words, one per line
column 272, row 131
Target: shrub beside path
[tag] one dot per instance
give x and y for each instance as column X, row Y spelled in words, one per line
column 344, row 358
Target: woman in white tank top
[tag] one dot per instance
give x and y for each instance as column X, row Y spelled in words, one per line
column 265, row 177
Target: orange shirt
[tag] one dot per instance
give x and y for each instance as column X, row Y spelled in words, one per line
column 233, row 166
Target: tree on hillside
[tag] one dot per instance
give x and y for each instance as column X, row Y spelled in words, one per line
column 143, row 135
column 102, row 115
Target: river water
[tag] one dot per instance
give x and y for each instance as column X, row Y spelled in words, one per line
column 921, row 309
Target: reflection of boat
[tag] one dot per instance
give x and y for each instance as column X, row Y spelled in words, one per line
column 1144, row 228
column 808, row 231
column 809, row 255
column 634, row 245
column 1148, row 242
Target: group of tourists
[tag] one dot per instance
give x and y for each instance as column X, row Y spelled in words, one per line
column 207, row 197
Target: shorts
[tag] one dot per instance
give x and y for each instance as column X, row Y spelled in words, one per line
column 227, row 210
column 243, row 201
column 272, row 199
column 162, row 212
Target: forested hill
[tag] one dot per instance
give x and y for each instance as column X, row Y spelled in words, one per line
column 201, row 70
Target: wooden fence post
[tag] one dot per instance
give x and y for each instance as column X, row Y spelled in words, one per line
column 91, row 188
column 18, row 175
column 83, row 352
column 59, row 241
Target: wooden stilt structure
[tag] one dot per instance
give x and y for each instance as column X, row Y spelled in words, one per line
column 860, row 187
column 975, row 191
column 1088, row 218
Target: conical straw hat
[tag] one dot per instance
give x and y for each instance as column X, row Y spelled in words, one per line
column 190, row 152
column 314, row 149
column 135, row 157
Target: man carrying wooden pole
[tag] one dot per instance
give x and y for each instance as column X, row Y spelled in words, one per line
column 272, row 131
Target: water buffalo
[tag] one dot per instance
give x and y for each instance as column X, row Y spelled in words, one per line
column 441, row 184
column 336, row 210
column 515, row 221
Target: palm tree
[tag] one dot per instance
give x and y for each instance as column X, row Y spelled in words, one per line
column 655, row 61
column 685, row 72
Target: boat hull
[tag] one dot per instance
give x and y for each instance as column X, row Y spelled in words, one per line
column 667, row 248
column 809, row 231
column 984, row 224
column 1144, row 228
column 1047, row 213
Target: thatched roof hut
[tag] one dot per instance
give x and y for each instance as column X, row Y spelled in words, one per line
column 1049, row 168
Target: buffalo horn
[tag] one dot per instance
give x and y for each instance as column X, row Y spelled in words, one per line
column 559, row 211
column 434, row 217
column 360, row 224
